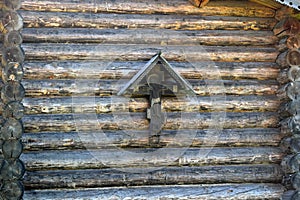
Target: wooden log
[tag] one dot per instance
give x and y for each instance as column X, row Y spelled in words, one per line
column 90, row 122
column 289, row 125
column 48, row 51
column 198, row 138
column 282, row 45
column 293, row 57
column 10, row 21
column 123, row 158
column 191, row 192
column 283, row 77
column 217, row 7
column 12, row 4
column 133, row 21
column 282, row 60
column 116, row 104
column 292, row 90
column 148, row 36
column 289, row 109
column 163, row 176
column 293, row 42
column 199, row 3
column 287, row 26
column 294, row 72
column 51, row 88
column 295, row 145
column 296, row 181
column 124, row 70
column 291, row 164
column 289, row 74
column 290, row 195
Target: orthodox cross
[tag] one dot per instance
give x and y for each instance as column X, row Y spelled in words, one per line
column 155, row 80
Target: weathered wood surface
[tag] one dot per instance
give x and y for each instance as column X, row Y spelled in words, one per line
column 246, row 191
column 123, row 158
column 50, row 51
column 115, row 21
column 194, row 138
column 149, row 36
column 218, row 7
column 270, row 173
column 87, row 87
column 117, row 70
column 116, row 104
column 90, row 122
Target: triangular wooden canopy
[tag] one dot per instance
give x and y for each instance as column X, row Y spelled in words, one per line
column 139, row 79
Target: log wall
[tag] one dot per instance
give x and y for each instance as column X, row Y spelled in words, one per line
column 77, row 55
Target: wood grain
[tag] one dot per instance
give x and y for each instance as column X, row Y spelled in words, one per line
column 216, row 7
column 164, row 176
column 192, row 192
column 35, row 19
column 149, row 36
column 45, row 51
column 251, row 137
column 39, row 70
column 115, row 104
column 90, row 121
column 95, row 87
column 124, row 158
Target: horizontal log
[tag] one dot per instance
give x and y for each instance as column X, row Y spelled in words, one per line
column 123, row 158
column 148, row 36
column 133, row 21
column 191, row 192
column 119, row 139
column 124, row 70
column 50, row 51
column 231, row 8
column 163, row 176
column 116, row 104
column 90, row 122
column 95, row 87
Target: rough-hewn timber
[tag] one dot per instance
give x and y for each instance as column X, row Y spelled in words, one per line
column 124, row 36
column 40, row 70
column 217, row 7
column 45, row 51
column 90, row 122
column 95, row 87
column 255, row 191
column 163, row 176
column 115, row 104
column 194, row 138
column 123, row 158
column 133, row 21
